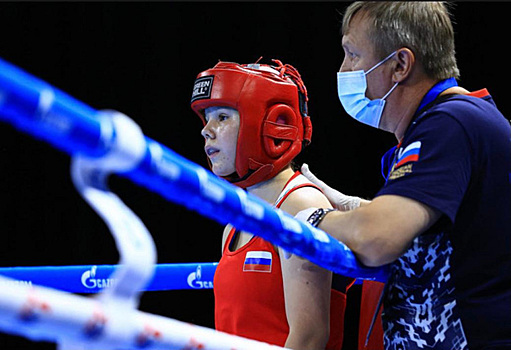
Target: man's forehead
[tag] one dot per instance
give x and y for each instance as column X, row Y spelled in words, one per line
column 357, row 31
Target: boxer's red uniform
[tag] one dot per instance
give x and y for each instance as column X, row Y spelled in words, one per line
column 249, row 298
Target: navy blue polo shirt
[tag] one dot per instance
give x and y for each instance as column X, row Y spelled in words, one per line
column 452, row 288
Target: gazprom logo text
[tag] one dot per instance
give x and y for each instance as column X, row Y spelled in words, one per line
column 195, row 280
column 90, row 281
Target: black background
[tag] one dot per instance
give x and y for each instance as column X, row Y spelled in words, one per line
column 142, row 59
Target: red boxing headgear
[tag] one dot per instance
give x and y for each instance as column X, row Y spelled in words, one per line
column 272, row 103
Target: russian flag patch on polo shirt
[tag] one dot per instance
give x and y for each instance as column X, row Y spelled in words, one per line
column 405, row 160
column 257, row 261
column 409, row 154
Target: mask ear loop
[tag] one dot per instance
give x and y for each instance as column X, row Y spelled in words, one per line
column 388, row 93
column 380, row 63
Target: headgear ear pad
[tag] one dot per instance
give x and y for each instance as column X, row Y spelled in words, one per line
column 273, row 125
column 279, row 130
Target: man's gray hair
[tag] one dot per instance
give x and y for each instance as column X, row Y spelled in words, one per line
column 423, row 27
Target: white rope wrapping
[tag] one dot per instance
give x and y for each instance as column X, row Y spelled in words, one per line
column 135, row 244
column 44, row 314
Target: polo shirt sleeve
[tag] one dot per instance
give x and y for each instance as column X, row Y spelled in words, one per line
column 433, row 165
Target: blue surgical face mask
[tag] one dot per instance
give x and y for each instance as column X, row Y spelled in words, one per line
column 351, row 88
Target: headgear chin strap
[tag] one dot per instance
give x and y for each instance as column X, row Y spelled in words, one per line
column 272, row 103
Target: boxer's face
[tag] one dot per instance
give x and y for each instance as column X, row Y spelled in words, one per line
column 221, row 136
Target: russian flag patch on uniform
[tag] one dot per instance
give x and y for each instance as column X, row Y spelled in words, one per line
column 404, row 160
column 257, row 261
column 409, row 154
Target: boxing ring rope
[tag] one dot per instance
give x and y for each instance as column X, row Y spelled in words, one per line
column 105, row 142
column 95, row 278
column 43, row 314
column 88, row 279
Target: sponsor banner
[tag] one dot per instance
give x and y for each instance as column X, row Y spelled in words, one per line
column 95, row 278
